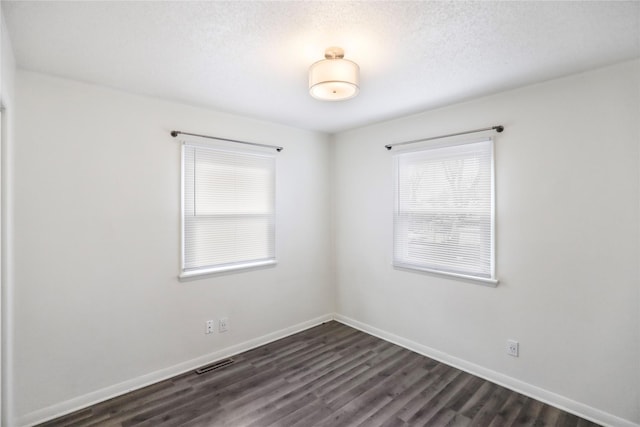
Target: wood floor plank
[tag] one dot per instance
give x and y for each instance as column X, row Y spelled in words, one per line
column 465, row 394
column 300, row 414
column 529, row 413
column 400, row 396
column 330, row 375
column 487, row 412
column 442, row 417
column 439, row 400
column 361, row 409
column 126, row 410
column 509, row 411
column 345, row 362
column 270, row 403
column 477, row 400
column 395, row 422
column 360, row 402
column 459, row 421
column 413, row 406
column 79, row 418
column 368, row 405
column 585, row 423
column 319, row 412
column 371, row 366
column 274, row 417
column 567, row 420
column 309, row 353
column 374, row 376
column 548, row 416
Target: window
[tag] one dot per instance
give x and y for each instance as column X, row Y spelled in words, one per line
column 228, row 209
column 444, row 210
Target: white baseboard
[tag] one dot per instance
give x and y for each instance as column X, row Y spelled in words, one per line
column 516, row 385
column 115, row 390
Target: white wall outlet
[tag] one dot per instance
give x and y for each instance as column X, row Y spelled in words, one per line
column 513, row 348
column 223, row 324
column 208, row 329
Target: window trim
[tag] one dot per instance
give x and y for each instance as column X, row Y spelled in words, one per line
column 482, row 280
column 488, row 281
column 213, row 271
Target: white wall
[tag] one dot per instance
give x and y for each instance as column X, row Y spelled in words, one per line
column 98, row 306
column 97, row 205
column 567, row 170
column 7, row 71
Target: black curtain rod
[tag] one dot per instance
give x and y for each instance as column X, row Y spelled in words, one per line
column 496, row 128
column 175, row 133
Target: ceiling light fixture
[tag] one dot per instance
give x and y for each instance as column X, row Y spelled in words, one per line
column 334, row 78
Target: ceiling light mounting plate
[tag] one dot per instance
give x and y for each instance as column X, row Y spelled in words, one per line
column 334, row 52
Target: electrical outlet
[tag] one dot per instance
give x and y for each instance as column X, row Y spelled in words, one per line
column 513, row 348
column 223, row 324
column 208, row 327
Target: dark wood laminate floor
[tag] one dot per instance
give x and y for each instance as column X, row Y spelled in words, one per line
column 330, row 375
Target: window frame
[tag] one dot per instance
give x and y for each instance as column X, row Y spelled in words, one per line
column 398, row 263
column 197, row 272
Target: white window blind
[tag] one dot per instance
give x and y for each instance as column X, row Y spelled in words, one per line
column 444, row 210
column 228, row 209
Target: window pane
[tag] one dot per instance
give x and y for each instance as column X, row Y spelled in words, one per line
column 444, row 209
column 229, row 214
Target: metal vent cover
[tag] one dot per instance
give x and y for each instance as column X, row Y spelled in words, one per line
column 213, row 366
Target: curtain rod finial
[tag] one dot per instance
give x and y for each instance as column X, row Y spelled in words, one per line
column 388, row 147
column 174, row 133
column 499, row 128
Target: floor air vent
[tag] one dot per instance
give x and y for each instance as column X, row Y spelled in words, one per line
column 213, row 366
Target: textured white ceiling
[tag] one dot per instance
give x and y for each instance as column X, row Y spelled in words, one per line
column 252, row 58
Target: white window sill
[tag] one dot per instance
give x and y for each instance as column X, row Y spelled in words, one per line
column 481, row 280
column 215, row 271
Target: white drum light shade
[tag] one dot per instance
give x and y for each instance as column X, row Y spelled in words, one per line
column 334, row 78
